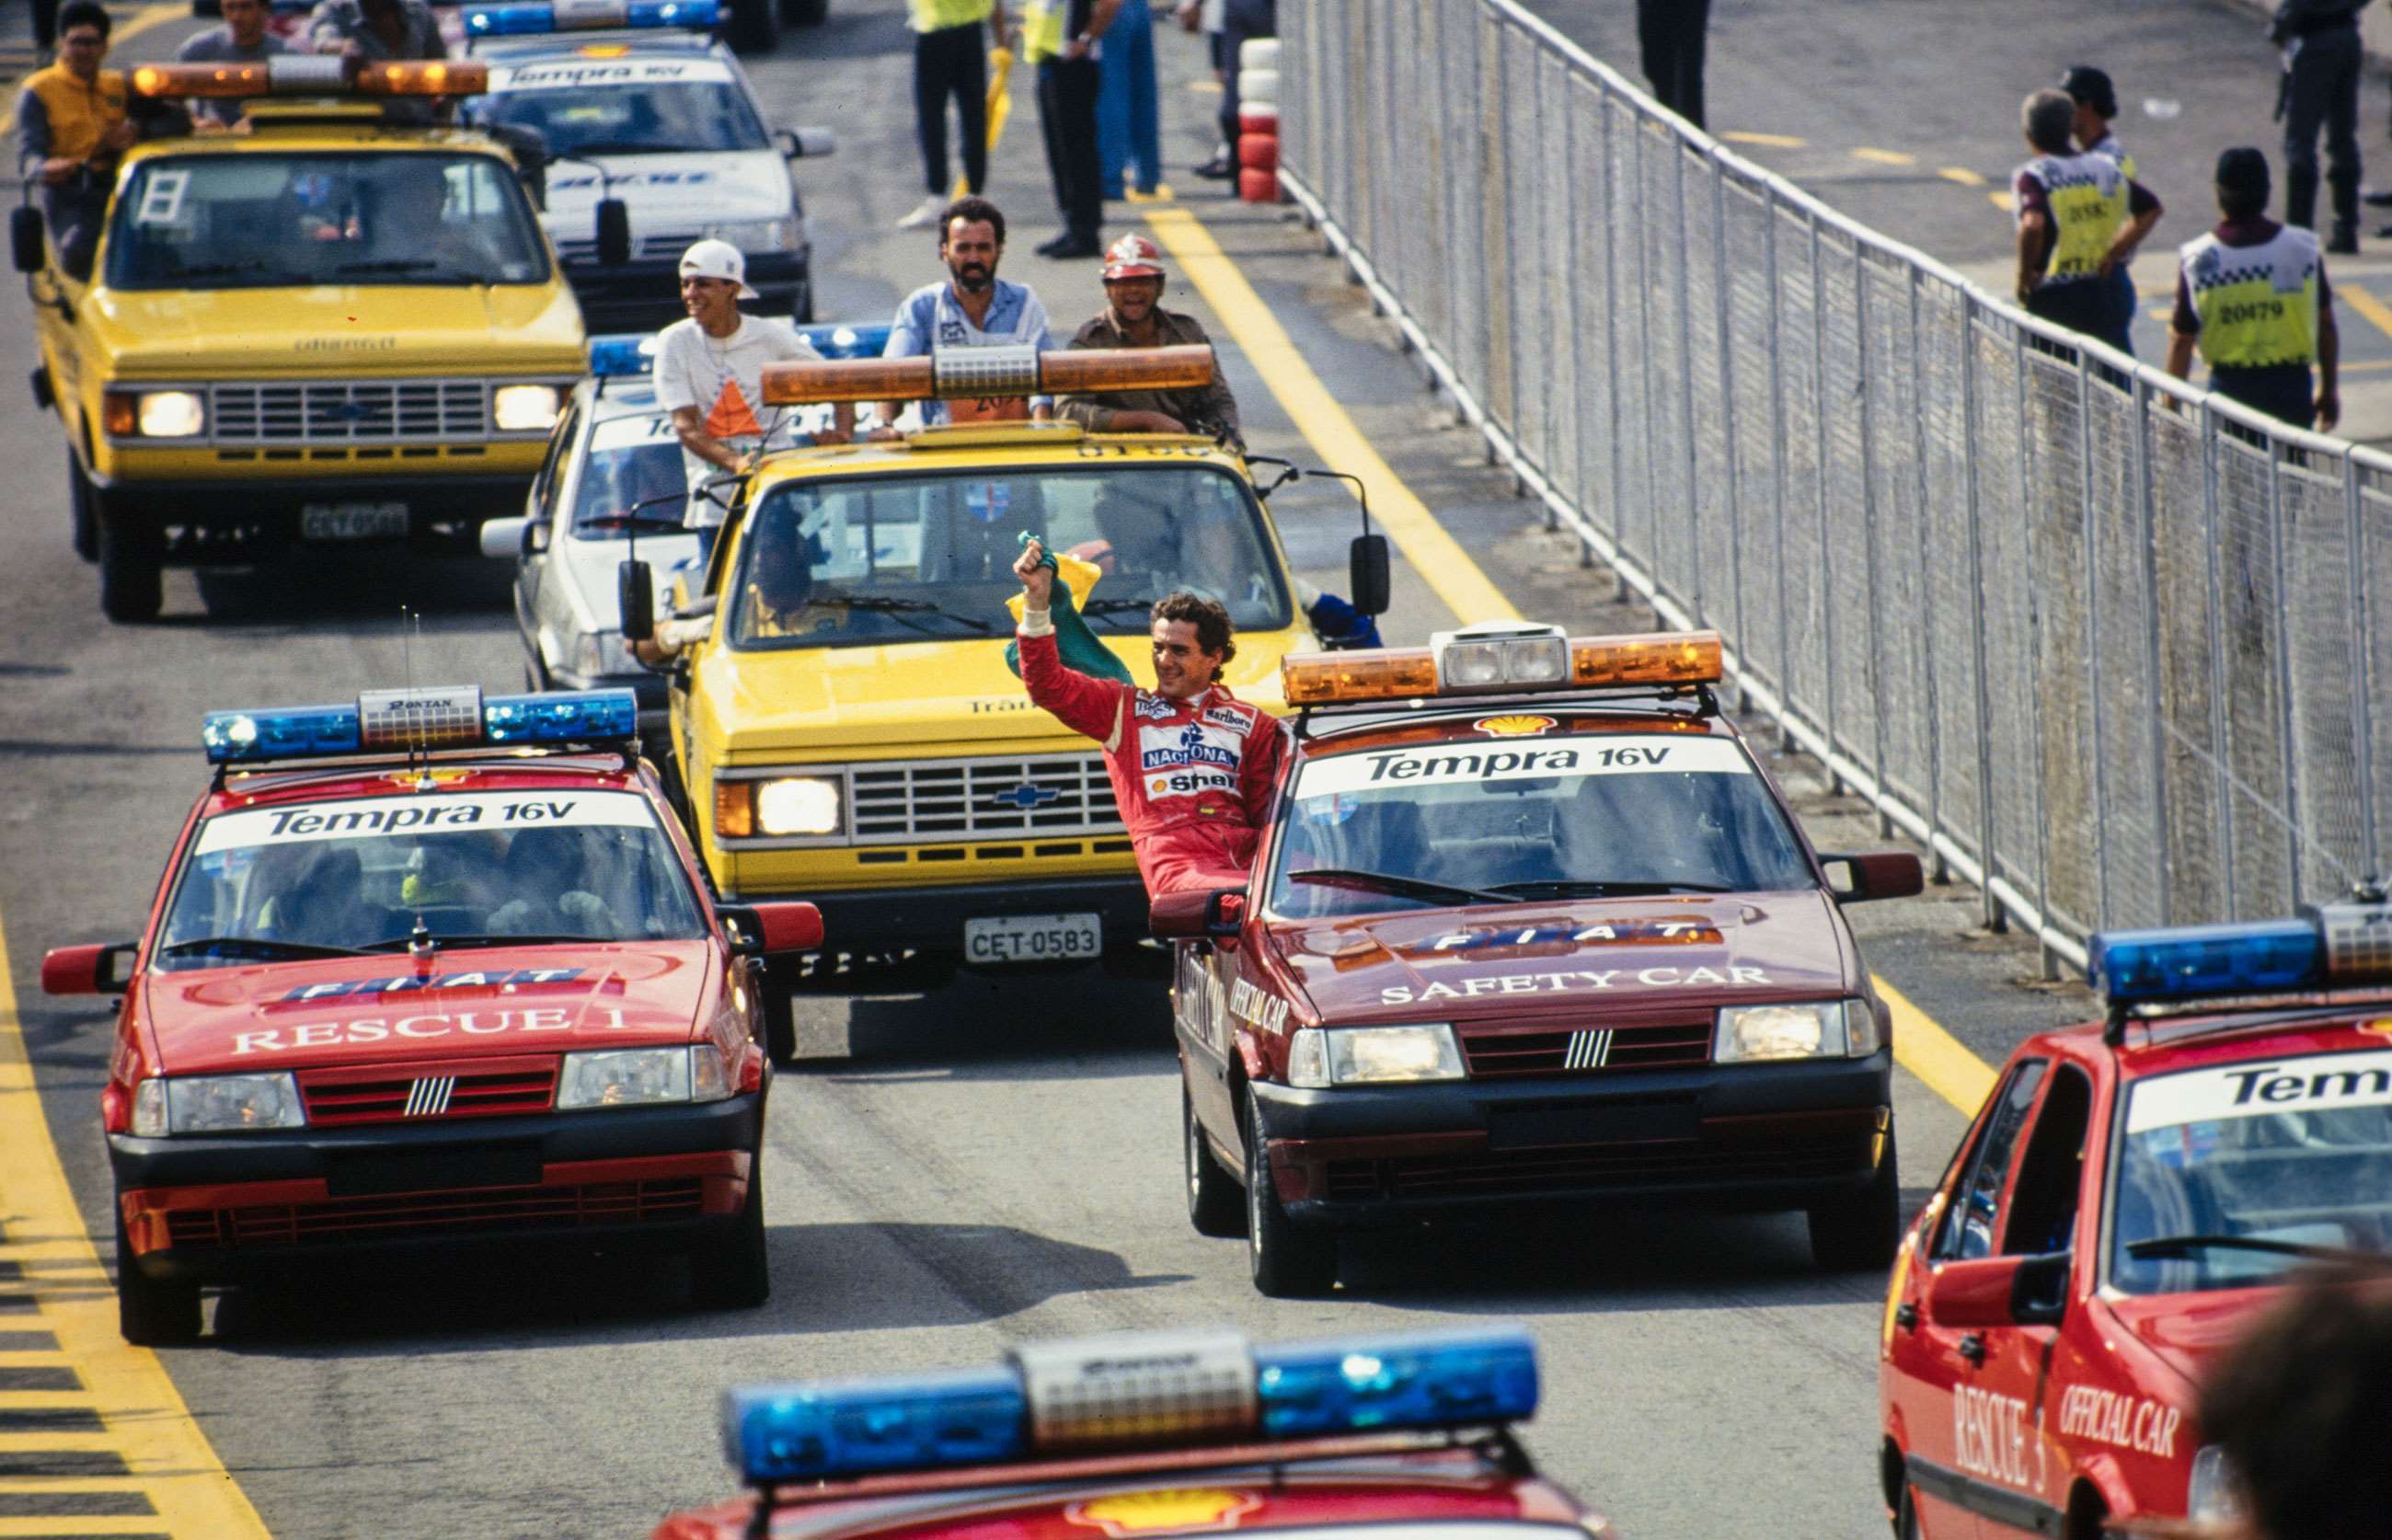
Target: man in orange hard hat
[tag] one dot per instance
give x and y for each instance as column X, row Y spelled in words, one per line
column 1134, row 316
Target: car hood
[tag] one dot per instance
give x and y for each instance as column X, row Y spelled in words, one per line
column 2185, row 1332
column 341, row 330
column 667, row 194
column 1512, row 960
column 479, row 1003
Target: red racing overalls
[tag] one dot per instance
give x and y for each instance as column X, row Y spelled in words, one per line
column 1193, row 779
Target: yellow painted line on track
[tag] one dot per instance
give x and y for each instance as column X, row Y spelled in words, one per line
column 2367, row 305
column 166, row 1457
column 1961, row 175
column 1775, row 141
column 1884, row 157
column 1919, row 1045
column 2002, row 199
column 1436, row 555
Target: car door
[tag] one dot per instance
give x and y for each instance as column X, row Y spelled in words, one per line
column 544, row 536
column 1929, row 1364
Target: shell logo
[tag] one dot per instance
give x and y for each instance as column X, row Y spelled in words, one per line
column 1180, row 1511
column 1158, row 785
column 1514, row 726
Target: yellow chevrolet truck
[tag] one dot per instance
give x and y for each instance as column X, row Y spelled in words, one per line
column 846, row 724
column 339, row 326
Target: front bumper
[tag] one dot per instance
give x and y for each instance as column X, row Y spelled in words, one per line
column 223, row 1208
column 931, row 920
column 645, row 295
column 266, row 508
column 1770, row 1136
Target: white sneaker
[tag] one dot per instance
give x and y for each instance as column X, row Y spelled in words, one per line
column 926, row 213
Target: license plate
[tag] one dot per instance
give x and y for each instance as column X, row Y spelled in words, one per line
column 353, row 521
column 1034, row 938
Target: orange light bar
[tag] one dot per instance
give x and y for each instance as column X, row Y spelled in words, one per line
column 313, row 75
column 1389, row 674
column 1656, row 658
column 1090, row 372
column 434, row 77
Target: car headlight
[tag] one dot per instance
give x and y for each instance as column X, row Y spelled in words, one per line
column 757, row 235
column 597, row 653
column 796, row 805
column 217, row 1103
column 154, row 414
column 1812, row 1030
column 524, row 409
column 2213, row 1497
column 1318, row 1057
column 641, row 1077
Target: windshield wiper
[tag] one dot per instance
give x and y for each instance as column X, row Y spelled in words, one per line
column 1575, row 888
column 1388, row 882
column 2178, row 1246
column 630, row 521
column 401, row 943
column 1116, row 607
column 882, row 603
column 406, row 265
column 254, row 946
column 254, row 264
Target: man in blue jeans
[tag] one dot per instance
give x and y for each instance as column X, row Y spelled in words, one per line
column 1129, row 126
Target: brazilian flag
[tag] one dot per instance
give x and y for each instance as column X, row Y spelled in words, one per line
column 1075, row 642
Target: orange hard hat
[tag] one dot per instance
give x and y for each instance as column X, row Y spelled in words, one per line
column 1133, row 256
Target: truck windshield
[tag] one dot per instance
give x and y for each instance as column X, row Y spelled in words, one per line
column 586, row 109
column 282, row 221
column 862, row 560
column 1534, row 816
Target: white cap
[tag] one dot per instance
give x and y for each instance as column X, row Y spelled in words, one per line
column 717, row 259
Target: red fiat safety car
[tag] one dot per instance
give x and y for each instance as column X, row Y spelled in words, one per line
column 1156, row 1434
column 2132, row 1194
column 1528, row 925
column 428, row 967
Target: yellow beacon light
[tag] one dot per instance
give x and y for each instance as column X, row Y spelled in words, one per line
column 314, row 75
column 967, row 374
column 1656, row 658
column 1502, row 659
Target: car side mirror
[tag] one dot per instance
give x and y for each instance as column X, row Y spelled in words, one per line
column 757, row 929
column 104, row 968
column 807, row 144
column 28, row 246
column 1197, row 914
column 507, row 538
column 1367, row 574
column 1999, row 1291
column 1876, row 874
column 635, row 595
column 614, row 232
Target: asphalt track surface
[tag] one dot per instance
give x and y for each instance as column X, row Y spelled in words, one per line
column 997, row 1162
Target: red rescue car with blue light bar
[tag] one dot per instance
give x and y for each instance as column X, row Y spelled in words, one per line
column 2129, row 1198
column 431, row 967
column 1529, row 924
column 1156, row 1433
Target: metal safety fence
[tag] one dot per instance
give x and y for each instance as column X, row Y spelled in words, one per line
column 2111, row 648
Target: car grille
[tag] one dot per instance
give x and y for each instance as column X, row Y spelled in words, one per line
column 408, row 1214
column 1587, row 1051
column 477, row 1088
column 354, row 411
column 1594, row 1167
column 657, row 245
column 979, row 798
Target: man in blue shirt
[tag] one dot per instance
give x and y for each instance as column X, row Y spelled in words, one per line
column 972, row 307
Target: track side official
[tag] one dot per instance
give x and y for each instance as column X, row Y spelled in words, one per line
column 2071, row 220
column 2252, row 295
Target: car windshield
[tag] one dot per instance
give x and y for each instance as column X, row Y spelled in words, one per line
column 630, row 461
column 857, row 559
column 626, row 107
column 306, row 879
column 1522, row 811
column 2238, row 1174
column 282, row 221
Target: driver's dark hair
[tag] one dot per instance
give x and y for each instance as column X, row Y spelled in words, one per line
column 972, row 211
column 83, row 13
column 2303, row 1407
column 1212, row 622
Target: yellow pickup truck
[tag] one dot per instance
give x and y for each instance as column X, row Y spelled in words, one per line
column 846, row 725
column 335, row 326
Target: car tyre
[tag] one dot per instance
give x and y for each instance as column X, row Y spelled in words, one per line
column 1859, row 1231
column 735, row 1272
column 805, row 13
column 1290, row 1260
column 780, row 1007
column 151, row 1313
column 755, row 26
column 1906, row 1518
column 1215, row 1206
column 132, row 563
column 82, row 509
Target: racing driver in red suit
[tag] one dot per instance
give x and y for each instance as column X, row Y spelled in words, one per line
column 1192, row 766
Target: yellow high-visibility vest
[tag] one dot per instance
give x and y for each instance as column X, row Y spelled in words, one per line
column 2088, row 202
column 2257, row 304
column 932, row 16
column 1042, row 30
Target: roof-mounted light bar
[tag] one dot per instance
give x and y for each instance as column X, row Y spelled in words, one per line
column 1148, row 1390
column 962, row 373
column 622, row 355
column 394, row 722
column 313, row 75
column 2339, row 945
column 574, row 15
column 1503, row 658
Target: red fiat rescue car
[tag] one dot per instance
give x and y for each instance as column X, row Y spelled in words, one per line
column 449, row 972
column 1160, row 1433
column 2131, row 1196
column 1529, row 924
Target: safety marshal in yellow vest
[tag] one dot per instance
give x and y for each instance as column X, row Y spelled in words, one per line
column 2070, row 206
column 2252, row 295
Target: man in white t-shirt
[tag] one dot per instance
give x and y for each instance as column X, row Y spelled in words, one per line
column 709, row 376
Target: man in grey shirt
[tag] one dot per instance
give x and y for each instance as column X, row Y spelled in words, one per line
column 375, row 31
column 242, row 40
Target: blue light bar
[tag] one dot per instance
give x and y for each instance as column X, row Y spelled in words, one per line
column 321, row 732
column 859, row 1426
column 1363, row 1384
column 840, row 340
column 2193, row 962
column 624, row 354
column 839, row 1429
column 530, row 20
